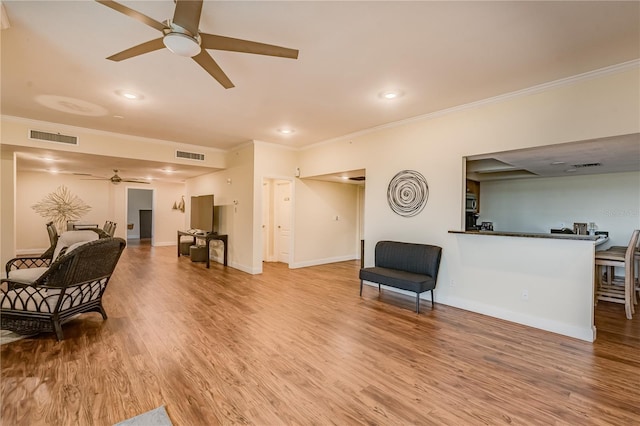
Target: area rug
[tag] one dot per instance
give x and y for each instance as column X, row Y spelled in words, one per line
column 157, row 417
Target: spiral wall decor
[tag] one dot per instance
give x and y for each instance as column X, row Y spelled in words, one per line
column 408, row 193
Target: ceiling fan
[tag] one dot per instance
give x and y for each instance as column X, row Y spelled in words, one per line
column 115, row 179
column 182, row 37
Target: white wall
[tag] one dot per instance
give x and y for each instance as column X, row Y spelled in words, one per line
column 319, row 237
column 232, row 191
column 137, row 199
column 612, row 201
column 15, row 132
column 270, row 162
column 7, row 203
column 584, row 108
column 107, row 201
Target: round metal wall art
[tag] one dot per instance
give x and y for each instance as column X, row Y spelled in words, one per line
column 408, row 193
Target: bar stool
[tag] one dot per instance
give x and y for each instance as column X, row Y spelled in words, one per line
column 614, row 290
column 636, row 293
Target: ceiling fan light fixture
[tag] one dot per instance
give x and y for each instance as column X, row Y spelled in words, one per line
column 182, row 44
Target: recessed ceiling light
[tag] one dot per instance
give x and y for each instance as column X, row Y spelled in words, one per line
column 286, row 131
column 48, row 159
column 53, row 171
column 390, row 94
column 344, row 177
column 119, row 117
column 571, row 170
column 557, row 163
column 129, row 95
column 167, row 170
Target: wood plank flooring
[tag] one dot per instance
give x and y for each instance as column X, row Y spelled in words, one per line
column 299, row 347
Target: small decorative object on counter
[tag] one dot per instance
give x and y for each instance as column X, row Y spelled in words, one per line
column 580, row 228
column 486, row 226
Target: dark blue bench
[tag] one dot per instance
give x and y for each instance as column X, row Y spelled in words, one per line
column 407, row 266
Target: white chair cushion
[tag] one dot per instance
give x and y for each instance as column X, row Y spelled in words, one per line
column 69, row 238
column 29, row 299
column 26, row 275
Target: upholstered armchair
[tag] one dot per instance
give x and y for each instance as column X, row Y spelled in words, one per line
column 71, row 284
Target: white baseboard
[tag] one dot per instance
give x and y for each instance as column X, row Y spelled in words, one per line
column 164, row 243
column 316, row 262
column 583, row 333
column 133, row 236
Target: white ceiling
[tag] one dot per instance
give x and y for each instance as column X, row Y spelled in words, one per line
column 439, row 54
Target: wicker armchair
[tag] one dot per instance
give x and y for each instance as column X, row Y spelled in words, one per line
column 74, row 283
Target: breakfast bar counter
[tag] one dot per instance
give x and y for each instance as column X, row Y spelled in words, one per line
column 598, row 239
column 542, row 280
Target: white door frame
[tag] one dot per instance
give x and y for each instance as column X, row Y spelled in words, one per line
column 153, row 211
column 291, row 215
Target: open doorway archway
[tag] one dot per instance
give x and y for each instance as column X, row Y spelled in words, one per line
column 140, row 216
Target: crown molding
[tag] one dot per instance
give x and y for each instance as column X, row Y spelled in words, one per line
column 613, row 69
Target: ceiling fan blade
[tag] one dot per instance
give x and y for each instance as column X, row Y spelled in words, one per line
column 187, row 15
column 206, row 61
column 133, row 14
column 216, row 42
column 140, row 49
column 134, row 181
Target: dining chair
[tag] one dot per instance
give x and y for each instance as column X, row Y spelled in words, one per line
column 617, row 290
column 109, row 228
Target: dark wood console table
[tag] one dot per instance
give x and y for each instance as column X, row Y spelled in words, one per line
column 213, row 236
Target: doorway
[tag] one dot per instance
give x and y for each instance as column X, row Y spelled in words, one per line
column 140, row 215
column 277, row 206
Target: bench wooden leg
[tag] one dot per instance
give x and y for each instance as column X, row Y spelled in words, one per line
column 432, row 302
column 378, row 288
column 361, row 288
column 417, row 303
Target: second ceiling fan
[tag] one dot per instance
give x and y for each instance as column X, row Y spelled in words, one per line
column 182, row 36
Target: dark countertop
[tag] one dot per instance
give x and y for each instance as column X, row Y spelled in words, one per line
column 599, row 238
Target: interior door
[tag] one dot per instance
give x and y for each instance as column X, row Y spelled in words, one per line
column 283, row 220
column 145, row 224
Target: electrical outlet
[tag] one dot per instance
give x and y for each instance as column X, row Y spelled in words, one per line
column 525, row 294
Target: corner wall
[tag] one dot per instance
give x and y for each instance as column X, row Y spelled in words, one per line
column 233, row 196
column 588, row 107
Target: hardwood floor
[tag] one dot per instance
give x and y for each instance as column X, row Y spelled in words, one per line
column 300, row 347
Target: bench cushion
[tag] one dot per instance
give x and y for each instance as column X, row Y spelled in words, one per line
column 417, row 258
column 400, row 279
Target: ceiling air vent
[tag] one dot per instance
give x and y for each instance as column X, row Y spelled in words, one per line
column 190, row 155
column 580, row 166
column 53, row 137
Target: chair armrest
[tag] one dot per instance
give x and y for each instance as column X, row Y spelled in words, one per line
column 13, row 284
column 26, row 262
